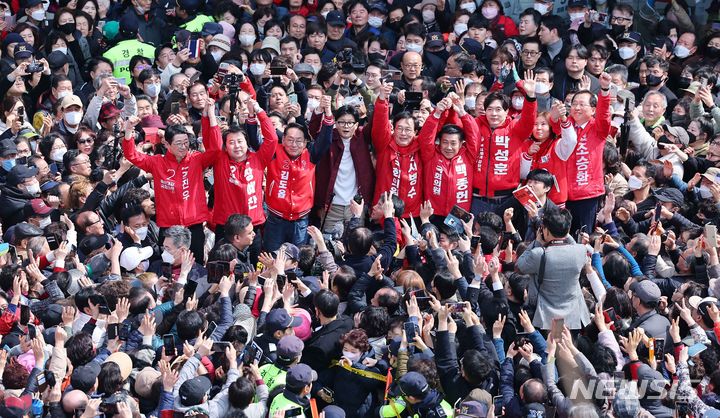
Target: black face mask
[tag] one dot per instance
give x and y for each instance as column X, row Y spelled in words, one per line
column 376, row 56
column 691, row 136
column 713, row 52
column 684, row 82
column 664, row 140
column 681, row 120
column 617, row 30
column 67, row 28
column 653, row 80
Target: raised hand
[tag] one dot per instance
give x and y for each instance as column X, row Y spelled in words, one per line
column 529, row 83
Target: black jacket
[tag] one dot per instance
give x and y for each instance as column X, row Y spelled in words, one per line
column 323, row 345
column 12, row 202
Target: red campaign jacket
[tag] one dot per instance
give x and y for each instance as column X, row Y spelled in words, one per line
column 239, row 184
column 585, row 165
column 448, row 182
column 179, row 190
column 498, row 158
column 291, row 182
column 547, row 158
column 398, row 169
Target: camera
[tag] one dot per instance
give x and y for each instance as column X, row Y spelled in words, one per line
column 232, row 79
column 35, row 67
column 348, row 62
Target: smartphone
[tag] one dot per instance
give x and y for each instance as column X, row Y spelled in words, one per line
column 329, row 392
column 32, row 331
column 293, row 412
column 498, row 402
column 169, row 344
column 109, row 409
column 252, row 353
column 659, row 346
column 166, row 270
column 460, row 213
column 456, row 307
column 558, row 324
column 189, row 290
column 411, row 330
column 175, row 108
column 24, row 315
column 291, row 277
column 413, row 96
column 220, row 346
column 711, row 234
column 602, row 18
column 474, row 241
column 609, row 315
column 124, row 333
column 223, row 69
column 292, row 97
column 50, row 378
column 651, row 348
column 113, row 331
column 194, row 47
column 696, row 349
column 580, row 232
column 42, row 383
column 211, row 328
column 521, row 338
column 358, row 198
column 658, row 211
column 277, row 71
column 217, row 270
column 391, row 75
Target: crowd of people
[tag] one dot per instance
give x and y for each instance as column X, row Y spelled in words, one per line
column 361, row 208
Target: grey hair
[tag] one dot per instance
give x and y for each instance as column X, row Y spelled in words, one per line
column 179, row 235
column 656, row 93
column 583, row 410
column 99, row 80
column 618, row 69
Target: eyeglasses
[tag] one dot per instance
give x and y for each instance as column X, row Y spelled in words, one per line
column 85, row 141
column 82, row 162
column 293, row 141
column 412, row 66
column 181, row 145
column 620, row 19
column 528, row 54
column 345, row 123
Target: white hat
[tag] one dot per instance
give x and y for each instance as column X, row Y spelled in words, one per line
column 221, row 41
column 131, row 257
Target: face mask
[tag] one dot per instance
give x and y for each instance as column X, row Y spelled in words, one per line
column 324, row 14
column 691, row 136
column 244, row 68
column 517, row 102
column 490, row 12
column 217, row 55
column 61, row 49
column 664, row 140
column 33, row 189
column 61, row 95
column 44, row 222
column 351, row 356
column 145, row 264
column 460, row 28
column 67, row 28
column 317, row 69
column 681, row 52
column 634, row 183
column 152, row 90
column 705, row 193
column 247, row 40
column 257, row 68
column 57, row 155
column 313, row 104
column 467, row 81
column 653, row 80
column 73, row 118
column 375, row 56
column 470, row 102
column 414, row 47
column 142, row 232
column 542, row 88
column 470, row 7
column 684, row 82
column 167, row 257
column 8, row 164
column 140, row 10
column 375, row 21
column 577, row 16
column 38, row 15
column 428, row 16
column 626, row 52
column 713, row 52
column 617, row 30
column 541, row 7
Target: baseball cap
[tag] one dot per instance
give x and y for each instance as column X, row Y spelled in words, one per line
column 696, row 301
column 413, row 384
column 56, row 59
column 108, row 110
column 190, row 5
column 300, row 375
column 333, row 411
column 303, row 68
column 471, row 46
column 93, row 242
column 23, row 50
column 7, row 147
column 131, row 257
column 379, row 7
column 671, row 195
column 128, row 25
column 221, row 41
column 289, row 347
column 123, row 361
column 335, row 18
column 211, row 29
column 435, row 40
column 678, row 132
column 12, row 38
column 145, row 380
column 630, row 37
column 535, row 410
column 279, row 319
column 71, row 100
column 83, row 377
column 693, row 87
column 646, row 291
column 194, row 390
column 712, row 174
column 578, row 3
column 471, row 409
column 26, row 230
column 291, row 251
column 37, row 208
column 152, row 121
column 271, row 42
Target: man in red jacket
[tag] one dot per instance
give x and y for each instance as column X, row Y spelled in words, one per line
column 177, row 181
column 290, row 185
column 497, row 172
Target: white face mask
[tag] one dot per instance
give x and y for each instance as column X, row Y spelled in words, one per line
column 470, row 7
column 257, row 68
column 313, row 103
column 705, row 193
column 577, row 16
column 470, row 102
column 217, row 55
column 460, row 28
column 412, row 47
column 467, row 81
column 490, row 12
column 324, row 14
column 57, row 155
column 351, row 356
column 541, row 88
column 167, row 257
column 44, row 222
column 541, row 7
column 73, row 118
column 142, row 232
column 38, row 15
column 152, row 90
column 33, row 189
column 61, row 94
column 62, row 49
column 247, row 40
column 428, row 16
column 375, row 21
column 681, row 52
column 244, row 68
column 626, row 52
column 634, row 183
column 517, row 103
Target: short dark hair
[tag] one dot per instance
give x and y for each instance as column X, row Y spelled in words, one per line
column 451, row 129
column 327, row 303
column 359, row 241
column 347, row 110
column 555, row 22
column 236, row 224
column 497, row 95
column 80, row 349
column 543, row 176
column 241, row 393
column 445, row 284
column 173, row 130
column 557, row 221
column 189, row 323
column 476, row 367
column 110, row 379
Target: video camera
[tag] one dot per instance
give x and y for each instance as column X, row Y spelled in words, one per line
column 348, row 62
column 232, row 79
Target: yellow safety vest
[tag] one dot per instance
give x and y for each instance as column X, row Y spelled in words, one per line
column 281, row 403
column 196, row 24
column 272, row 375
column 121, row 54
column 396, row 409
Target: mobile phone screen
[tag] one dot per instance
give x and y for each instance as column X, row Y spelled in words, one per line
column 169, row 344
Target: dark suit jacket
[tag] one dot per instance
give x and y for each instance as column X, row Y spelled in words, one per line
column 323, row 346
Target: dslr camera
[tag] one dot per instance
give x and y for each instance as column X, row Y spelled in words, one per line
column 35, row 67
column 348, row 62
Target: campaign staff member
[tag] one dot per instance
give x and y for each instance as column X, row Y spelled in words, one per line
column 290, row 185
column 177, row 181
